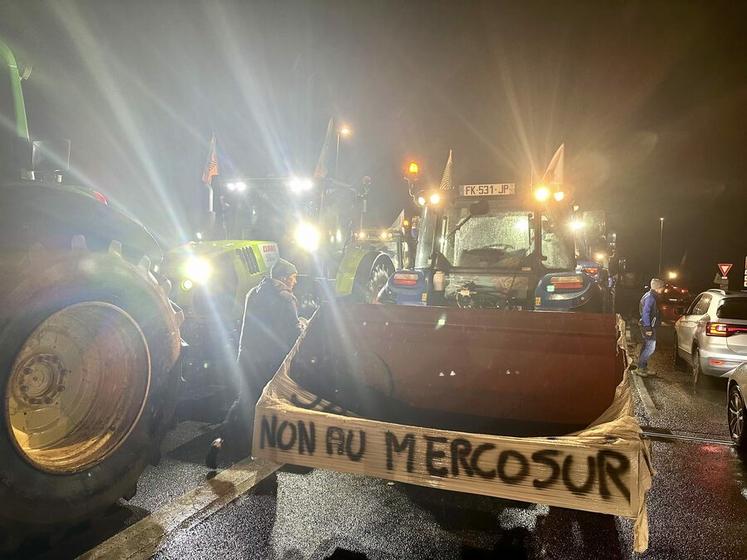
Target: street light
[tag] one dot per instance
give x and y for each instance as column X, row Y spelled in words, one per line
column 661, row 242
column 343, row 131
column 672, row 275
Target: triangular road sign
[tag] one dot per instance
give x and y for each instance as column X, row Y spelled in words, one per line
column 724, row 268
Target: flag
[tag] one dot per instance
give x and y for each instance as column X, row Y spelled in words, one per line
column 321, row 171
column 211, row 165
column 554, row 172
column 398, row 222
column 447, row 179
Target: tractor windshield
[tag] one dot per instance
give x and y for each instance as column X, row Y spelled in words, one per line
column 501, row 239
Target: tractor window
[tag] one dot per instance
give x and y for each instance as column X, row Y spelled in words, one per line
column 501, row 239
column 557, row 246
column 426, row 234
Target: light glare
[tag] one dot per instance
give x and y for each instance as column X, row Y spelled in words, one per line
column 577, row 225
column 198, row 270
column 307, row 237
column 300, row 184
column 542, row 193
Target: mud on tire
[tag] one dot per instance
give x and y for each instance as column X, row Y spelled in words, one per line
column 40, row 486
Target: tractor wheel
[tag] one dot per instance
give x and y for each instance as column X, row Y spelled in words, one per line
column 88, row 342
column 370, row 279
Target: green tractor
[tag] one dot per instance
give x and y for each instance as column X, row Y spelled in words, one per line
column 311, row 223
column 89, row 340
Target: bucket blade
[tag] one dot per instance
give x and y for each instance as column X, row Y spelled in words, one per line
column 489, row 371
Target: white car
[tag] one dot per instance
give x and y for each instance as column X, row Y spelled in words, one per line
column 712, row 334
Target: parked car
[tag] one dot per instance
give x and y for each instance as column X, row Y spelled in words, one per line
column 712, row 334
column 735, row 410
column 673, row 303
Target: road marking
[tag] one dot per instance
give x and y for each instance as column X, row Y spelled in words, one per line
column 147, row 536
column 664, row 434
column 646, row 399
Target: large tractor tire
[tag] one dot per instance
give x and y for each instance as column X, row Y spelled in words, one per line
column 88, row 343
column 372, row 274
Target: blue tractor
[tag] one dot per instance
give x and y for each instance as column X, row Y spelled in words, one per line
column 495, row 246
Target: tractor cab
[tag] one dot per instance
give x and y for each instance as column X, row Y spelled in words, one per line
column 484, row 246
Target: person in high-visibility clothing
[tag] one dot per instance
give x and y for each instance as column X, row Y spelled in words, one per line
column 269, row 330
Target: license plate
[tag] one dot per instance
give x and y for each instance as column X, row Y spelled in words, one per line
column 492, row 189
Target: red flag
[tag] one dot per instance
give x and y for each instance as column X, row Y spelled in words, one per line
column 211, row 165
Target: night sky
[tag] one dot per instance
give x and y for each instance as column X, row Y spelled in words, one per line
column 650, row 99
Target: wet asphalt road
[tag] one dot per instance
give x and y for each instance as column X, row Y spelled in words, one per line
column 697, row 506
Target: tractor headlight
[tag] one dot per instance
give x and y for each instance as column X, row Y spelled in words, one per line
column 300, row 184
column 307, row 237
column 198, row 270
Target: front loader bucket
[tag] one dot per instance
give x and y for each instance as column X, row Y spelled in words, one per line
column 517, row 373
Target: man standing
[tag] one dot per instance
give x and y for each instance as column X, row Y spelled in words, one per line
column 269, row 330
column 649, row 322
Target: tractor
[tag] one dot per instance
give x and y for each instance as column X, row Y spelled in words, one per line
column 89, row 340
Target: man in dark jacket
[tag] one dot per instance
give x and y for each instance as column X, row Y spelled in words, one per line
column 270, row 328
column 649, row 309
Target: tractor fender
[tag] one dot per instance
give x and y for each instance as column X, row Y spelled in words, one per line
column 57, row 213
column 349, row 267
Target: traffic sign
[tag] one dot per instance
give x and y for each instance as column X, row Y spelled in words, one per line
column 724, row 268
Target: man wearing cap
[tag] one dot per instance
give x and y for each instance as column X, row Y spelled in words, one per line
column 649, row 308
column 270, row 328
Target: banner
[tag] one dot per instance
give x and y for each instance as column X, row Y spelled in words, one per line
column 605, row 468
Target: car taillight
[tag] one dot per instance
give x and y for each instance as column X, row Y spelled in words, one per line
column 567, row 282
column 724, row 329
column 405, row 279
column 592, row 271
column 439, row 281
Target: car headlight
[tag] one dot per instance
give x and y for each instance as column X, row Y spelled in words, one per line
column 307, row 237
column 198, row 270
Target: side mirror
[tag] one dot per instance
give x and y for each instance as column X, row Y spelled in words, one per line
column 479, row 208
column 50, row 155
